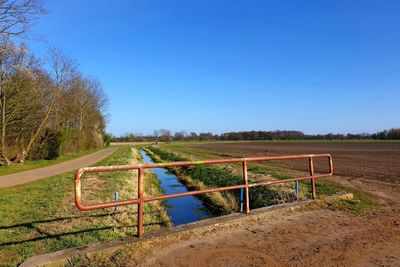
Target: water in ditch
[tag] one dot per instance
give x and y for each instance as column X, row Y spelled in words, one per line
column 181, row 210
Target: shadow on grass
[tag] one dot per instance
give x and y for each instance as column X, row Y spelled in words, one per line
column 31, row 225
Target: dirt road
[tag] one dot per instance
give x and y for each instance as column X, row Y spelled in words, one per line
column 310, row 238
column 41, row 173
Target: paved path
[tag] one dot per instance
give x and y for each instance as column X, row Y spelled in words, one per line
column 14, row 179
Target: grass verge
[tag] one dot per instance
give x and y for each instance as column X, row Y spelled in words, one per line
column 41, row 216
column 361, row 203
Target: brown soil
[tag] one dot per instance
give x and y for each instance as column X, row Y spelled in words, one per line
column 310, row 238
column 318, row 237
column 373, row 167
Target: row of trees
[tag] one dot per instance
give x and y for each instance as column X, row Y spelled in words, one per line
column 163, row 135
column 44, row 112
column 392, row 134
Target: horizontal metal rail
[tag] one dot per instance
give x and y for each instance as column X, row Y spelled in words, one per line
column 140, row 200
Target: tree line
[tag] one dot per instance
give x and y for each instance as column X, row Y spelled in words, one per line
column 164, row 135
column 44, row 111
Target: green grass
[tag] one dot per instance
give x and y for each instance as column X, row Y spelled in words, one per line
column 206, row 176
column 195, row 178
column 361, row 203
column 41, row 216
column 34, row 164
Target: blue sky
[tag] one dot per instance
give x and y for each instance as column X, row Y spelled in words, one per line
column 218, row 66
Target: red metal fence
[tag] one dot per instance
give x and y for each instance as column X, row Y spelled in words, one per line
column 140, row 200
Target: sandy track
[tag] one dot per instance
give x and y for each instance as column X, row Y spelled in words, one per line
column 46, row 172
column 311, row 238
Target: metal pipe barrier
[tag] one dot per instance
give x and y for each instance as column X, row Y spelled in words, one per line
column 140, row 200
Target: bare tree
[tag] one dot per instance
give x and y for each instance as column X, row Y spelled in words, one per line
column 63, row 67
column 181, row 135
column 64, row 72
column 17, row 15
column 156, row 134
column 12, row 60
column 44, row 114
column 43, row 86
column 165, row 135
column 87, row 103
column 162, row 135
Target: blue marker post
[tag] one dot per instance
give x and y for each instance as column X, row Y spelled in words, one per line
column 116, row 199
column 297, row 189
column 241, row 199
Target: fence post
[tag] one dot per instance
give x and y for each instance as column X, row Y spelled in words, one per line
column 246, row 182
column 241, row 199
column 313, row 190
column 116, row 199
column 140, row 204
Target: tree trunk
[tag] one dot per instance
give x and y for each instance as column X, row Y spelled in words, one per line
column 21, row 157
column 3, row 156
column 80, row 129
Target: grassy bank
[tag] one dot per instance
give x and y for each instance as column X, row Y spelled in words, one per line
column 41, row 216
column 217, row 203
column 206, row 176
column 34, row 164
column 264, row 196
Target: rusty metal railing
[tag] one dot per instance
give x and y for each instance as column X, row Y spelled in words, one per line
column 140, row 200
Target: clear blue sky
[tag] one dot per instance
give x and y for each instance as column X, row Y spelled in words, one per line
column 316, row 66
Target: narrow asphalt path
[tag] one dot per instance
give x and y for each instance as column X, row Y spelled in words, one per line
column 14, row 179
